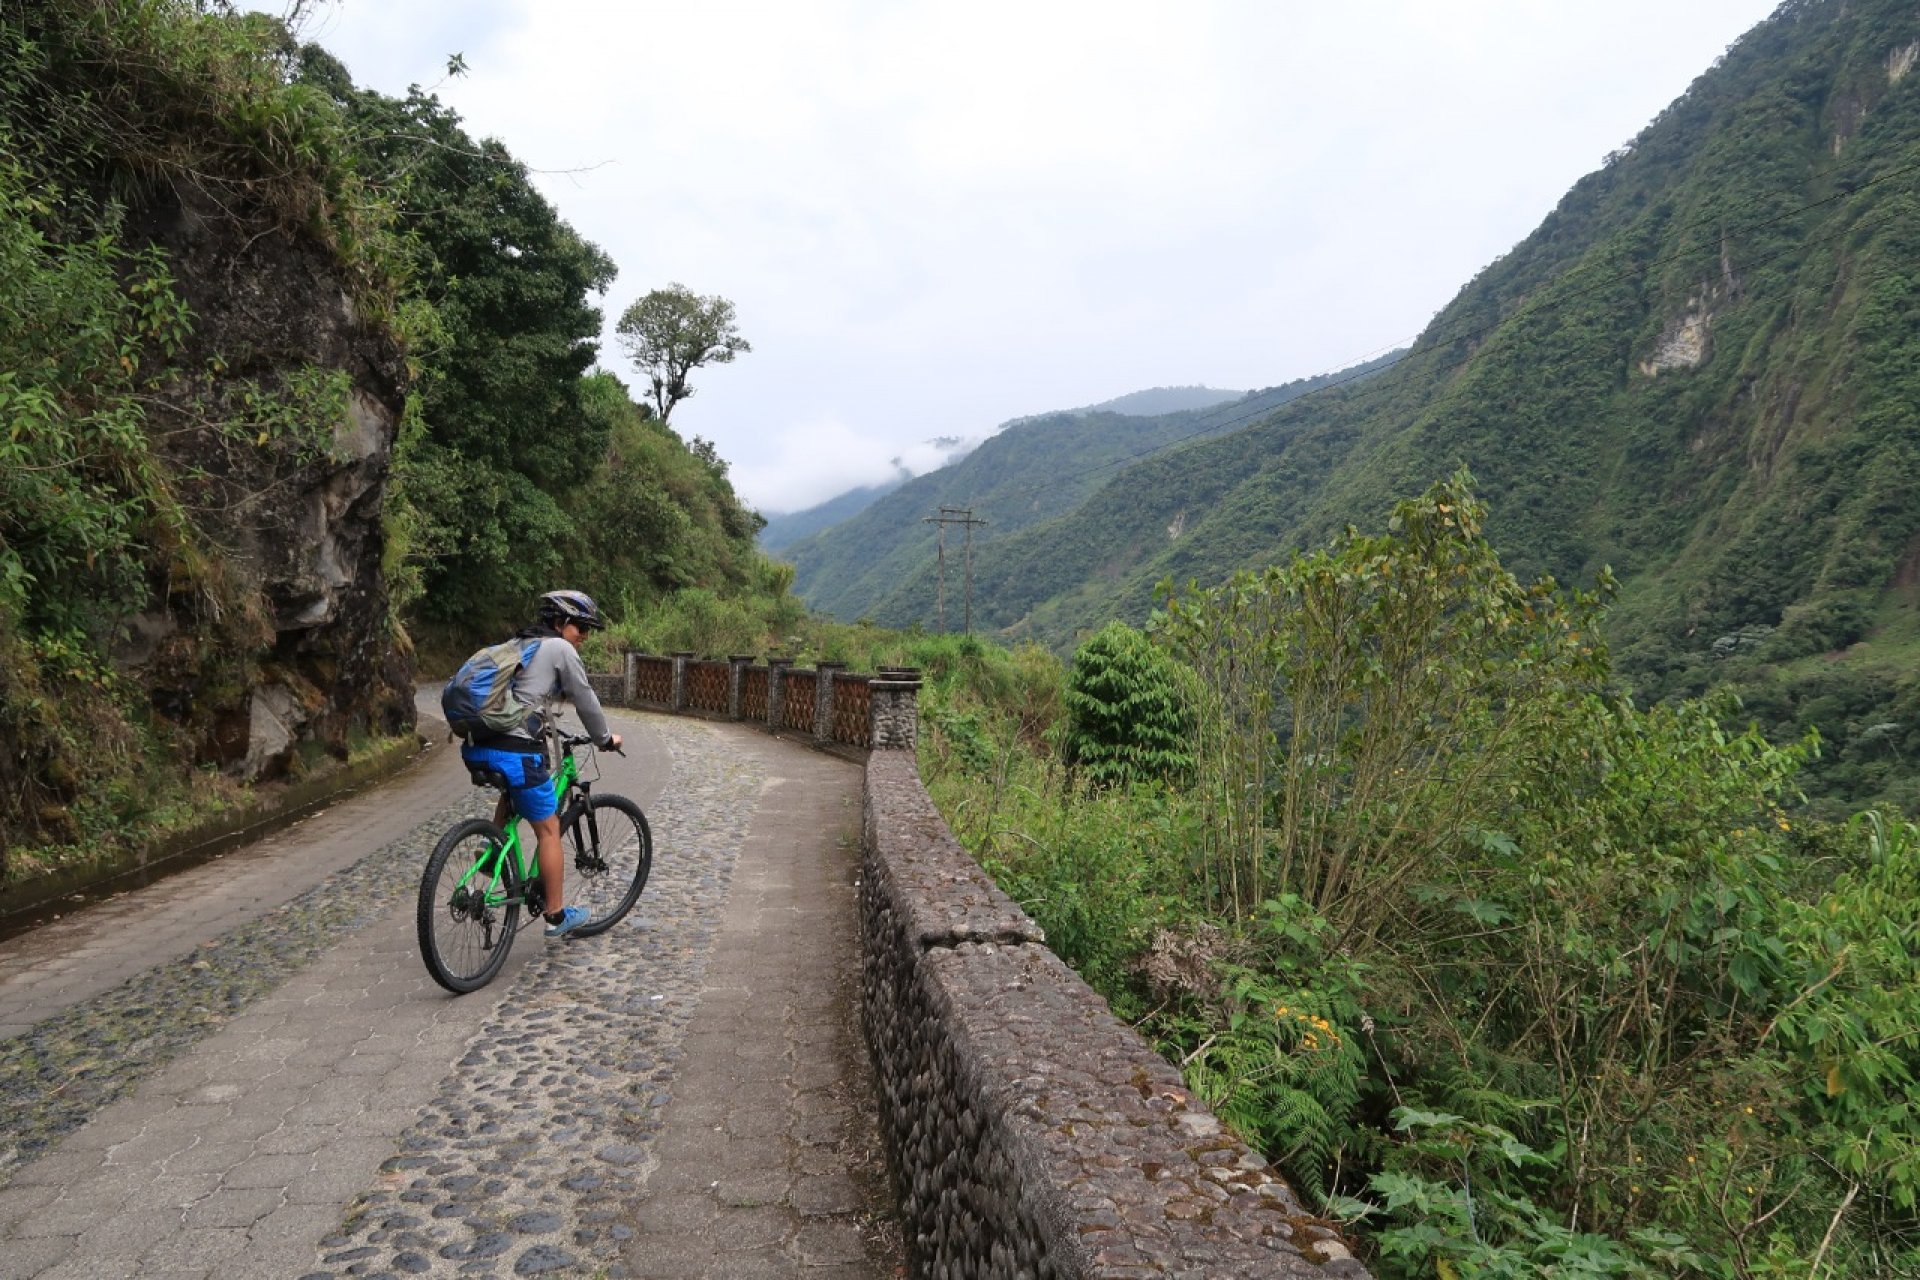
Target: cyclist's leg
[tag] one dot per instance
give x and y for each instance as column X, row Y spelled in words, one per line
column 553, row 863
column 530, row 794
column 535, row 801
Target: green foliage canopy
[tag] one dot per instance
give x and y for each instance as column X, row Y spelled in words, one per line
column 673, row 331
column 497, row 432
column 1384, row 691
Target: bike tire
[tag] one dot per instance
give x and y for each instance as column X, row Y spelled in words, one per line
column 465, row 944
column 609, row 850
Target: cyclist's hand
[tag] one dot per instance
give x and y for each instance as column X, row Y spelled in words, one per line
column 614, row 743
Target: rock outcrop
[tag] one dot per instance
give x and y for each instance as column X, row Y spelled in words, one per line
column 273, row 640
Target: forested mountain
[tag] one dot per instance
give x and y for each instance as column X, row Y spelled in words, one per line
column 1030, row 471
column 782, row 531
column 1702, row 369
column 293, row 374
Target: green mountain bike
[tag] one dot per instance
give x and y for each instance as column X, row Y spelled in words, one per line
column 478, row 877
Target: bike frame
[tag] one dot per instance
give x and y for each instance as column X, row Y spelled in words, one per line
column 490, row 864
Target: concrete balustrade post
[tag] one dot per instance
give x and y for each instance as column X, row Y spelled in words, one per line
column 629, row 678
column 777, row 692
column 678, row 699
column 737, row 664
column 893, row 709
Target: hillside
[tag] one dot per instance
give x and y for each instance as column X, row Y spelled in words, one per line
column 1702, row 369
column 782, row 531
column 1032, row 470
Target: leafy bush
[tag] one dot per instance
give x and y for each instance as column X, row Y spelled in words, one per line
column 1441, row 1214
column 1358, row 706
column 1127, row 715
column 1089, row 873
column 81, row 499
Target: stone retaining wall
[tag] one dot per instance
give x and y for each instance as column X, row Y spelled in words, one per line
column 1031, row 1133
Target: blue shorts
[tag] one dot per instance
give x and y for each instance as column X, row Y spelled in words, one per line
column 532, row 784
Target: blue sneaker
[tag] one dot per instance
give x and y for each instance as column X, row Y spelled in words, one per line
column 570, row 919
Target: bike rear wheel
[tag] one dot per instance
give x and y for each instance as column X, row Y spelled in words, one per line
column 467, row 929
column 609, row 851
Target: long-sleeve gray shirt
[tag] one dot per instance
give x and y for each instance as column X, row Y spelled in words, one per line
column 555, row 672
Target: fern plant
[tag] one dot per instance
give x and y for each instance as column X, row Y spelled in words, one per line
column 1443, row 1212
column 1283, row 1073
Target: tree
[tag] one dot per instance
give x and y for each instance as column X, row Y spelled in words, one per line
column 673, row 331
column 497, row 433
column 1127, row 718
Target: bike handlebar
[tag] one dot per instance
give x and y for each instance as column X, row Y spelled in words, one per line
column 572, row 740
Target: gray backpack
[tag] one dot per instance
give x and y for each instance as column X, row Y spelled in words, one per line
column 478, row 702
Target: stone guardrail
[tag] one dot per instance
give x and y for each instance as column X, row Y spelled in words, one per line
column 835, row 709
column 1030, row 1132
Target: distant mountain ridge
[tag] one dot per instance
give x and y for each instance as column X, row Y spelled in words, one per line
column 1032, row 470
column 782, row 531
column 787, row 528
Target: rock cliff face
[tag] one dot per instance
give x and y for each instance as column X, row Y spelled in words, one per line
column 273, row 640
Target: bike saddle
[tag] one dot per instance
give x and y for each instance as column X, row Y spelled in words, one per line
column 485, row 775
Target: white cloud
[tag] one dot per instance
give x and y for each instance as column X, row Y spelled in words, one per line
column 820, row 458
column 933, row 217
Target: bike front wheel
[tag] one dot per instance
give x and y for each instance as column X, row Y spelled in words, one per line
column 469, row 907
column 609, row 851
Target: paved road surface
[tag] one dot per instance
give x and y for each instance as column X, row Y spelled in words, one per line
column 244, row 1071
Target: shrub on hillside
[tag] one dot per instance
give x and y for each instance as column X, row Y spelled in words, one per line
column 1127, row 720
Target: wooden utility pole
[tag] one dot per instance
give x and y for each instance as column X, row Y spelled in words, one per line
column 940, row 557
column 964, row 517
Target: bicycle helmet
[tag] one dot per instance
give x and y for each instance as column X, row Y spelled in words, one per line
column 577, row 607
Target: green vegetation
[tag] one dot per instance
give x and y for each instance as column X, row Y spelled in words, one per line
column 100, row 108
column 517, row 467
column 79, row 493
column 147, row 426
column 1518, row 976
column 1127, row 717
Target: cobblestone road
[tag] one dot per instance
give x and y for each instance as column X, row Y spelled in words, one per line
column 245, row 1071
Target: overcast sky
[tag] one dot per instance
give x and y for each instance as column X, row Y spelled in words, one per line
column 934, row 217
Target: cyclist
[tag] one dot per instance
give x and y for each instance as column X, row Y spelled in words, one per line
column 553, row 671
